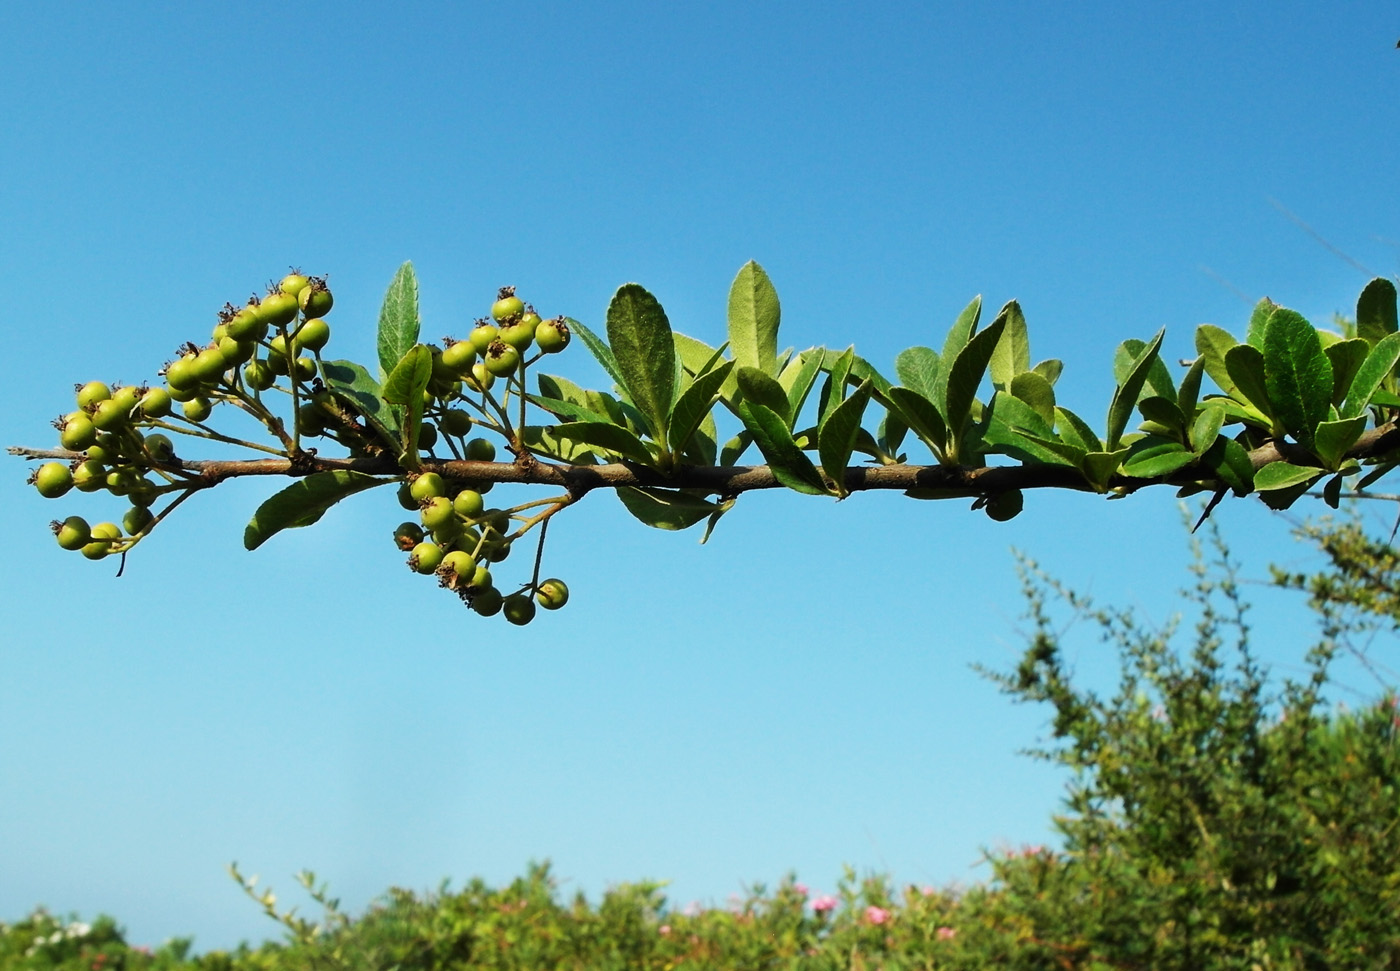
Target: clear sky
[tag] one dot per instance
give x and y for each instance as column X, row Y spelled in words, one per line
column 797, row 694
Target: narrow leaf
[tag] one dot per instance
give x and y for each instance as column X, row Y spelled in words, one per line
column 790, row 466
column 1152, row 456
column 1374, row 370
column 1129, row 389
column 920, row 415
column 666, row 508
column 605, row 435
column 1190, row 391
column 1282, row 475
column 398, row 319
column 567, row 410
column 1165, row 412
column 1248, row 373
column 304, row 502
column 958, row 335
column 1159, row 379
column 1346, row 356
column 1037, row 392
column 759, row 388
column 600, row 351
column 798, row 378
column 1298, row 374
column 1259, row 322
column 409, row 377
column 965, row 375
column 1012, row 355
column 754, row 314
column 836, row 437
column 640, row 337
column 1212, row 344
column 1206, row 428
column 1076, row 431
column 694, row 404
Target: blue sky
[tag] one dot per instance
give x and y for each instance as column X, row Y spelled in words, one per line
column 794, row 696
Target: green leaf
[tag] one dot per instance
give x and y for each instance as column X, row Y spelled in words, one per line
column 304, row 502
column 965, row 375
column 836, row 436
column 1165, row 412
column 666, row 508
column 920, row 415
column 1259, row 322
column 1153, row 456
column 562, row 389
column 1159, row 380
column 1190, row 391
column 567, row 410
column 1125, row 396
column 918, row 368
column 1008, row 421
column 1229, row 462
column 409, row 377
column 1375, row 310
column 605, row 435
column 1050, row 369
column 790, row 466
column 1333, row 438
column 542, row 440
column 754, row 313
column 1206, row 428
column 1099, row 468
column 798, row 378
column 398, row 319
column 1298, row 374
column 351, row 383
column 600, row 351
column 1012, row 355
column 863, row 370
column 640, row 337
column 1249, row 376
column 1076, row 431
column 1212, row 344
column 735, row 447
column 834, row 392
column 1346, row 356
column 1037, row 392
column 1377, row 366
column 958, row 335
column 694, row 404
column 1282, row 475
column 759, row 388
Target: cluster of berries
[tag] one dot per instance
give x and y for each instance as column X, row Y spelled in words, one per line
column 500, row 341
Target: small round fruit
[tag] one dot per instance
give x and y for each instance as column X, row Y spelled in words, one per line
column 78, row 433
column 315, row 298
column 426, row 557
column 468, row 503
column 155, row 403
column 278, row 309
column 552, row 594
column 482, row 335
column 136, row 519
column 427, row 436
column 293, row 283
column 209, row 365
column 259, row 375
column 197, row 409
column 313, row 335
column 458, row 357
column 110, row 414
column 305, row 368
column 552, row 335
column 518, row 334
column 507, row 305
column 311, row 420
column 246, row 325
column 461, row 563
column 90, row 476
column 91, row 393
column 53, row 479
column 496, row 552
column 180, row 374
column 487, row 601
column 426, row 486
column 496, row 519
column 235, row 352
column 519, row 609
column 501, row 358
column 436, row 512
column 408, row 535
column 481, row 578
column 100, row 543
column 455, row 422
column 480, row 450
column 406, row 497
column 481, row 379
column 1005, row 505
column 73, row 533
column 160, row 447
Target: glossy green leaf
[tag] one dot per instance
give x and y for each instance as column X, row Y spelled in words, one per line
column 352, row 384
column 409, row 377
column 863, row 370
column 1212, row 344
column 735, row 448
column 605, row 435
column 1037, row 392
column 1008, row 421
column 1206, row 428
column 1333, row 438
column 640, row 338
column 836, row 436
column 1346, row 356
column 542, row 440
column 917, row 369
column 789, row 465
column 1375, row 310
column 1012, row 355
column 695, row 355
column 754, row 314
column 1165, row 412
column 1099, row 468
column 920, row 414
column 666, row 508
column 304, row 502
column 761, row 389
column 798, row 378
column 1283, row 475
column 567, row 410
column 965, row 376
column 1190, row 391
column 398, row 320
column 1230, row 463
column 1125, row 396
column 695, row 403
column 1245, row 362
column 1076, row 431
column 892, row 430
column 1153, row 456
column 834, row 391
column 1379, row 363
column 1159, row 379
column 562, row 389
column 1298, row 374
column 1259, row 322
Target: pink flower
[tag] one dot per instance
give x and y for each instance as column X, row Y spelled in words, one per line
column 801, row 889
column 927, row 891
column 824, row 903
column 876, row 915
column 664, row 929
column 946, row 933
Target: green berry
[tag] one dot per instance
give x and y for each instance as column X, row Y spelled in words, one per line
column 552, row 594
column 461, row 563
column 179, row 374
column 235, row 352
column 518, row 334
column 155, row 403
column 313, row 335
column 197, row 409
column 315, row 298
column 91, row 393
column 519, row 609
column 278, row 309
column 481, row 578
column 426, row 558
column 1005, row 505
column 427, row 485
column 436, row 512
column 90, row 476
column 507, row 305
column 427, row 436
column 73, row 533
column 293, row 283
column 458, row 357
column 101, row 540
column 455, row 422
column 487, row 601
column 501, row 359
column 481, row 379
column 136, row 519
column 259, row 375
column 78, row 432
column 305, row 369
column 481, row 336
column 209, row 365
column 110, row 414
column 408, row 535
column 552, row 335
column 53, row 479
column 468, row 503
column 480, row 450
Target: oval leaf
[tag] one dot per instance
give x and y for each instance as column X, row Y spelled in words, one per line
column 1375, row 310
column 398, row 319
column 836, row 437
column 666, row 508
column 1378, row 364
column 1297, row 373
column 605, row 435
column 639, row 336
column 754, row 314
column 790, row 466
column 304, row 502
